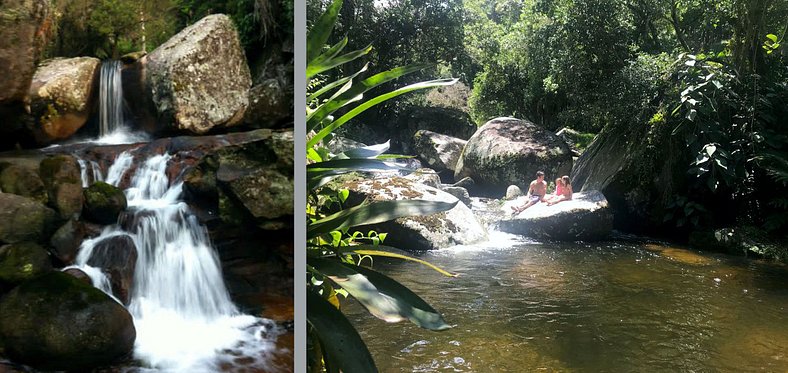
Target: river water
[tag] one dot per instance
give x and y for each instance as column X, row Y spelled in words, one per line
column 619, row 306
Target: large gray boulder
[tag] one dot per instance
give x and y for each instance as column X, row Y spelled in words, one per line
column 199, row 79
column 439, row 152
column 457, row 226
column 509, row 151
column 57, row 322
column 24, row 219
column 60, row 97
column 585, row 218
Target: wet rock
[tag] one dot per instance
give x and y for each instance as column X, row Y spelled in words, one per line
column 585, row 218
column 24, row 219
column 68, row 200
column 199, row 79
column 60, row 97
column 104, row 202
column 66, row 241
column 117, row 257
column 256, row 180
column 339, row 144
column 24, row 182
column 79, row 275
column 22, row 261
column 457, row 226
column 439, row 152
column 57, row 322
column 24, row 30
column 199, row 183
column 509, row 151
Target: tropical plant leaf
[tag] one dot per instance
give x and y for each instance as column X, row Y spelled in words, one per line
column 357, row 90
column 376, row 212
column 392, row 252
column 321, row 30
column 328, row 87
column 383, row 297
column 317, row 68
column 372, row 102
column 342, row 347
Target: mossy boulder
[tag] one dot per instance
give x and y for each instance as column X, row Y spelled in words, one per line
column 270, row 104
column 23, row 181
column 509, row 151
column 104, row 202
column 59, row 169
column 61, row 97
column 57, row 322
column 256, row 182
column 23, row 261
column 199, row 79
column 24, row 219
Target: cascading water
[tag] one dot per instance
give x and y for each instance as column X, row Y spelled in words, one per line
column 110, row 98
column 112, row 124
column 182, row 311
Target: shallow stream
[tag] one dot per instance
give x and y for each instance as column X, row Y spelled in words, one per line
column 619, row 306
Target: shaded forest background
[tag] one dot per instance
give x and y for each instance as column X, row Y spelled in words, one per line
column 712, row 74
column 112, row 28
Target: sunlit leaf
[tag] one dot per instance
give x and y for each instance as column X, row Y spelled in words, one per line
column 376, row 212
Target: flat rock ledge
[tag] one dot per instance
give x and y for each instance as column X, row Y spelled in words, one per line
column 586, row 217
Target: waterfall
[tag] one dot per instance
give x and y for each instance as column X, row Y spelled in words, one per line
column 182, row 310
column 110, row 98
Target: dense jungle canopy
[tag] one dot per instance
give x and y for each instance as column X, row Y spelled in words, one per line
column 707, row 75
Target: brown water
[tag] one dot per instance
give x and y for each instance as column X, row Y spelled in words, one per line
column 601, row 307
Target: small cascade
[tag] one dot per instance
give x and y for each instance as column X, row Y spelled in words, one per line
column 110, row 98
column 112, row 123
column 90, row 172
column 182, row 310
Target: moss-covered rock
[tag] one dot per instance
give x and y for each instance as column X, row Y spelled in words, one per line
column 509, row 151
column 24, row 219
column 23, row 261
column 57, row 322
column 59, row 169
column 24, row 182
column 61, row 97
column 199, row 79
column 104, row 202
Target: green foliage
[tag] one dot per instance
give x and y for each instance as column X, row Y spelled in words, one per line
column 335, row 249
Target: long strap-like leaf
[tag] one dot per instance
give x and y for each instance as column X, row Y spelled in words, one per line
column 372, row 102
column 376, row 212
column 343, row 348
column 321, row 30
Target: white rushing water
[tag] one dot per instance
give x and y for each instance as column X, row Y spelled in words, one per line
column 183, row 314
column 112, row 123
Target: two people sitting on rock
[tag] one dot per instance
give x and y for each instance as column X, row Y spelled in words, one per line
column 563, row 191
column 538, row 189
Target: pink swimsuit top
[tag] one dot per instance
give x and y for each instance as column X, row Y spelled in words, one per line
column 559, row 190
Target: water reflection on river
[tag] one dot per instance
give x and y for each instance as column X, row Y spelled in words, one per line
column 615, row 306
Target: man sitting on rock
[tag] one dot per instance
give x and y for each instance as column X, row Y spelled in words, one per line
column 536, row 193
